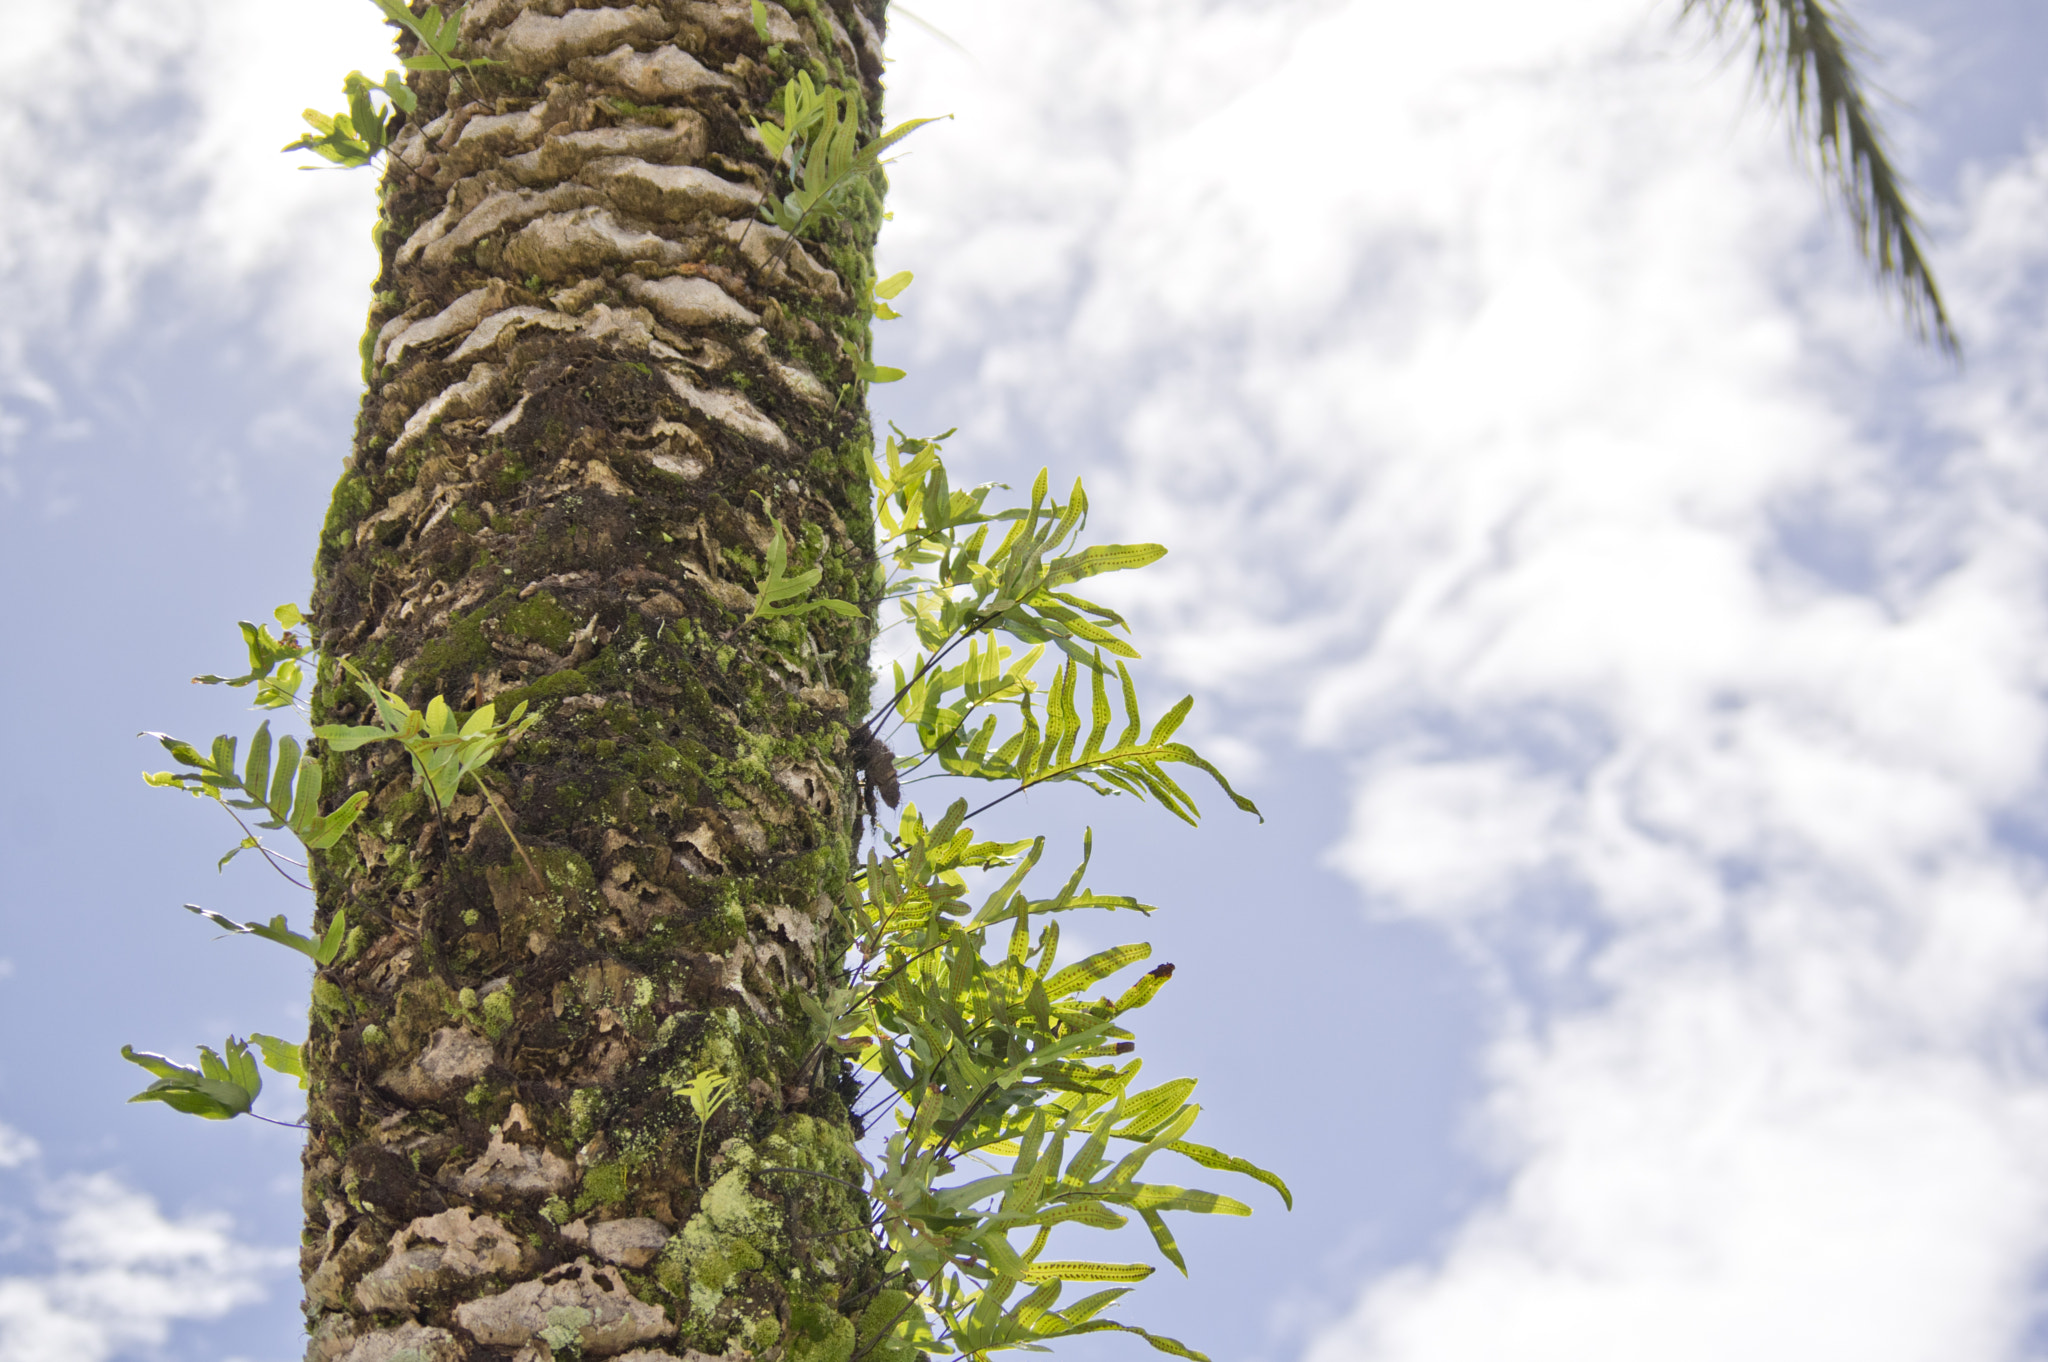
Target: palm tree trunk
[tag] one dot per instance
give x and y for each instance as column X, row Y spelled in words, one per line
column 596, row 386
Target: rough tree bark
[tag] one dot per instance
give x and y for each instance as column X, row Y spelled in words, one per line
column 595, row 381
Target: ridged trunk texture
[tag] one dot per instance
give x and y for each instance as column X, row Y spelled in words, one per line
column 595, row 381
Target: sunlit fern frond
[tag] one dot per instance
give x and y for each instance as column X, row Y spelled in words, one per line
column 1806, row 55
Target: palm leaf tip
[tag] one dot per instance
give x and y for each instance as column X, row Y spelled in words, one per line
column 1806, row 56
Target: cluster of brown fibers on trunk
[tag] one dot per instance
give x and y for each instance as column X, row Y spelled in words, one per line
column 596, row 381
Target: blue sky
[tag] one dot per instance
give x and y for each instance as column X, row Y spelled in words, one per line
column 1630, row 634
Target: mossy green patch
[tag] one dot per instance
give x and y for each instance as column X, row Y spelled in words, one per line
column 494, row 1013
column 563, row 869
column 554, row 686
column 540, row 619
column 424, row 1007
column 644, row 113
column 818, row 1333
column 394, row 813
column 604, row 1184
column 762, row 1334
column 330, row 1004
column 350, row 503
column 458, row 654
column 585, row 1106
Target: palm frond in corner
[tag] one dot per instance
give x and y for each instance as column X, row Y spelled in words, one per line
column 1806, row 55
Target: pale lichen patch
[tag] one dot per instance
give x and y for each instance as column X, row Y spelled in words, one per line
column 400, row 507
column 612, row 1318
column 730, row 410
column 667, row 72
column 481, row 16
column 559, row 157
column 564, row 245
column 502, row 326
column 509, row 1170
column 730, row 19
column 489, row 136
column 454, row 319
column 796, row 380
column 409, row 1342
column 509, row 208
column 729, row 1235
column 688, row 466
column 597, row 473
column 534, row 42
column 427, row 233
column 672, row 193
column 635, row 1242
column 621, row 328
column 395, row 327
column 775, row 253
column 435, row 1250
column 331, row 1338
column 346, row 1260
column 801, row 930
column 871, row 58
column 578, row 296
column 688, row 300
column 472, row 396
column 466, row 195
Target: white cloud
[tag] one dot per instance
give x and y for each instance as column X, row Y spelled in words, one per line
column 16, row 1148
column 121, row 1274
column 1533, row 438
column 1702, row 1175
column 137, row 138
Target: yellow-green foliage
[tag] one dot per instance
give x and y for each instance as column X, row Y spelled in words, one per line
column 983, row 1048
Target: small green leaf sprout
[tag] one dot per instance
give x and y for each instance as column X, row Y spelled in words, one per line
column 320, row 950
column 954, row 589
column 777, row 594
column 706, row 1093
column 885, row 291
column 817, row 146
column 220, row 1089
column 444, row 749
column 281, row 1056
column 273, row 661
column 439, row 32
column 880, row 296
column 288, row 790
column 363, row 131
column 224, row 1085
